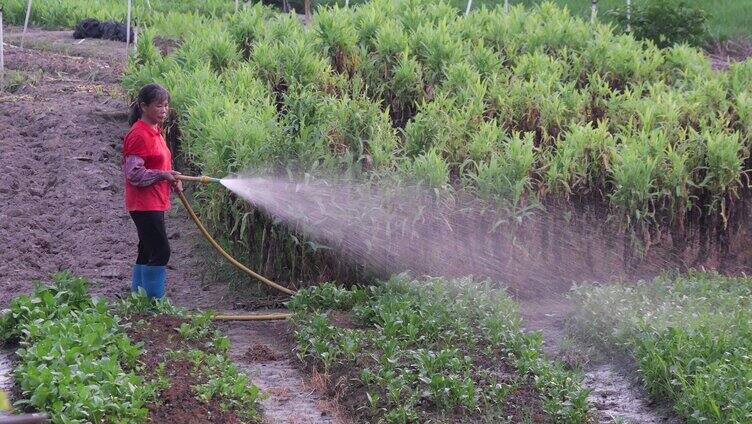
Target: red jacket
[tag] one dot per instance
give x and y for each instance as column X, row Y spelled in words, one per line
column 147, row 144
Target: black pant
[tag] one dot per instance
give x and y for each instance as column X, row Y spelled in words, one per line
column 153, row 246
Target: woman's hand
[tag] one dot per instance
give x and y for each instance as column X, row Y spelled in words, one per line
column 170, row 176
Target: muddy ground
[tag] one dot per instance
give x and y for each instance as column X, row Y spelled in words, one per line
column 61, row 203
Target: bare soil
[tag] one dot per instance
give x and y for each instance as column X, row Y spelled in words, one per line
column 723, row 54
column 61, row 207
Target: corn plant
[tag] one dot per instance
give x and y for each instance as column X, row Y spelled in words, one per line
column 337, row 38
column 507, row 176
column 651, row 135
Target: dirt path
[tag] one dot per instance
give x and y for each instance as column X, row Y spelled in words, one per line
column 616, row 395
column 61, row 193
column 261, row 349
column 61, row 203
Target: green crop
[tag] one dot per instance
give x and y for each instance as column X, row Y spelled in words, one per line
column 400, row 92
column 690, row 335
column 75, row 362
column 416, row 349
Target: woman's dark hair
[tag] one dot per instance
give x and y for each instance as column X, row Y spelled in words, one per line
column 148, row 94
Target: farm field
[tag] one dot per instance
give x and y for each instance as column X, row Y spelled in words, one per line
column 81, row 362
column 728, row 18
column 530, row 172
column 690, row 335
column 539, row 117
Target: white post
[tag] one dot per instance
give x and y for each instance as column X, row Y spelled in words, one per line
column 347, row 3
column 128, row 32
column 2, row 48
column 135, row 38
column 594, row 11
column 236, row 6
column 26, row 22
column 629, row 15
column 506, row 6
column 469, row 5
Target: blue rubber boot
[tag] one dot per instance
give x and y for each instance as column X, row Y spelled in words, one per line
column 137, row 278
column 154, row 281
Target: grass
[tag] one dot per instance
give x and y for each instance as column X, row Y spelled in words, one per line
column 690, row 335
column 432, row 351
column 728, row 18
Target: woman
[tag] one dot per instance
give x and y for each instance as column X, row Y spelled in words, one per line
column 149, row 179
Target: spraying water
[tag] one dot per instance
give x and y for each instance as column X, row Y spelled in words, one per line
column 412, row 229
column 391, row 230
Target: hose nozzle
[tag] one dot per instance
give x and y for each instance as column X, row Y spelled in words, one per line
column 200, row 179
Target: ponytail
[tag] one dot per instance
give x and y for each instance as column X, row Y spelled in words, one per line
column 147, row 95
column 135, row 113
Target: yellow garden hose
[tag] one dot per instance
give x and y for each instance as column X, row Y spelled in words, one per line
column 253, row 317
column 232, row 260
column 216, row 245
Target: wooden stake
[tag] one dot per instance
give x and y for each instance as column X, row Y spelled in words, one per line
column 593, row 11
column 236, row 6
column 629, row 15
column 26, row 22
column 506, row 6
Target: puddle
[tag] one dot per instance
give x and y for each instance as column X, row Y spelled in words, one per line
column 618, row 400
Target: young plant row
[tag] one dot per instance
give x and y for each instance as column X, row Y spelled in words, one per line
column 78, row 362
column 74, row 360
column 691, row 337
column 433, row 350
column 531, row 107
column 67, row 13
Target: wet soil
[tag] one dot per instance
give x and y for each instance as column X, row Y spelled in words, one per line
column 616, row 396
column 159, row 334
column 61, row 205
column 6, row 370
column 176, row 403
column 264, row 351
column 615, row 390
